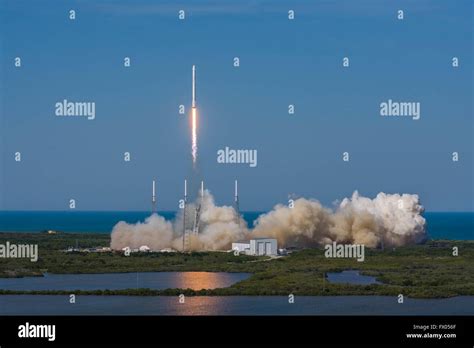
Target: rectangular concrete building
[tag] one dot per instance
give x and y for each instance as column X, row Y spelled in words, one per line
column 257, row 246
column 263, row 246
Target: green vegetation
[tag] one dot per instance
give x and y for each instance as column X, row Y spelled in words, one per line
column 427, row 270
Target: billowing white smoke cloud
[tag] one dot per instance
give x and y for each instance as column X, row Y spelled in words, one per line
column 305, row 224
column 397, row 218
column 389, row 220
column 218, row 228
column 155, row 232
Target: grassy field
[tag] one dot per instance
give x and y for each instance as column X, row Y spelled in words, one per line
column 427, row 271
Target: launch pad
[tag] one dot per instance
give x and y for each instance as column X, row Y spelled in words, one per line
column 192, row 214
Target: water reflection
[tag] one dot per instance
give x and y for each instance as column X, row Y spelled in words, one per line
column 351, row 277
column 116, row 281
column 202, row 280
column 233, row 305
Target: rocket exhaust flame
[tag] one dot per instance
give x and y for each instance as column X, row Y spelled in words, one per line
column 194, row 147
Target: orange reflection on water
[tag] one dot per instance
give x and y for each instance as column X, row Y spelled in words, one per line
column 202, row 305
column 201, row 280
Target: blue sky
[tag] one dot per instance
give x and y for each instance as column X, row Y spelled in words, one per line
column 282, row 62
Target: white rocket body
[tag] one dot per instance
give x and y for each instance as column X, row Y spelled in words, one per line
column 236, row 192
column 194, row 87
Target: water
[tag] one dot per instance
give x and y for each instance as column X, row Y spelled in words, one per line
column 458, row 225
column 232, row 305
column 116, row 281
column 351, row 277
column 69, row 221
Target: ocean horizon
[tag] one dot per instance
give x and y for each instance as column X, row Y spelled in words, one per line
column 440, row 225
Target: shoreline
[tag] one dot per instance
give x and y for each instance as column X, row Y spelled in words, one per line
column 427, row 270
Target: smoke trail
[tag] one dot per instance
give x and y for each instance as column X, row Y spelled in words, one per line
column 194, row 146
column 388, row 220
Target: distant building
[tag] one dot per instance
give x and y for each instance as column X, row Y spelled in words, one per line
column 167, row 250
column 263, row 246
column 241, row 246
column 257, row 246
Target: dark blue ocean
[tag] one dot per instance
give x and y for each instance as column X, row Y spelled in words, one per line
column 458, row 225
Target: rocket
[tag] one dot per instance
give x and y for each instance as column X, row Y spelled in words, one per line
column 153, row 197
column 185, row 190
column 236, row 192
column 194, row 87
column 194, row 122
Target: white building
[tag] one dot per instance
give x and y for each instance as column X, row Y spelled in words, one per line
column 241, row 246
column 263, row 246
column 167, row 250
column 257, row 246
